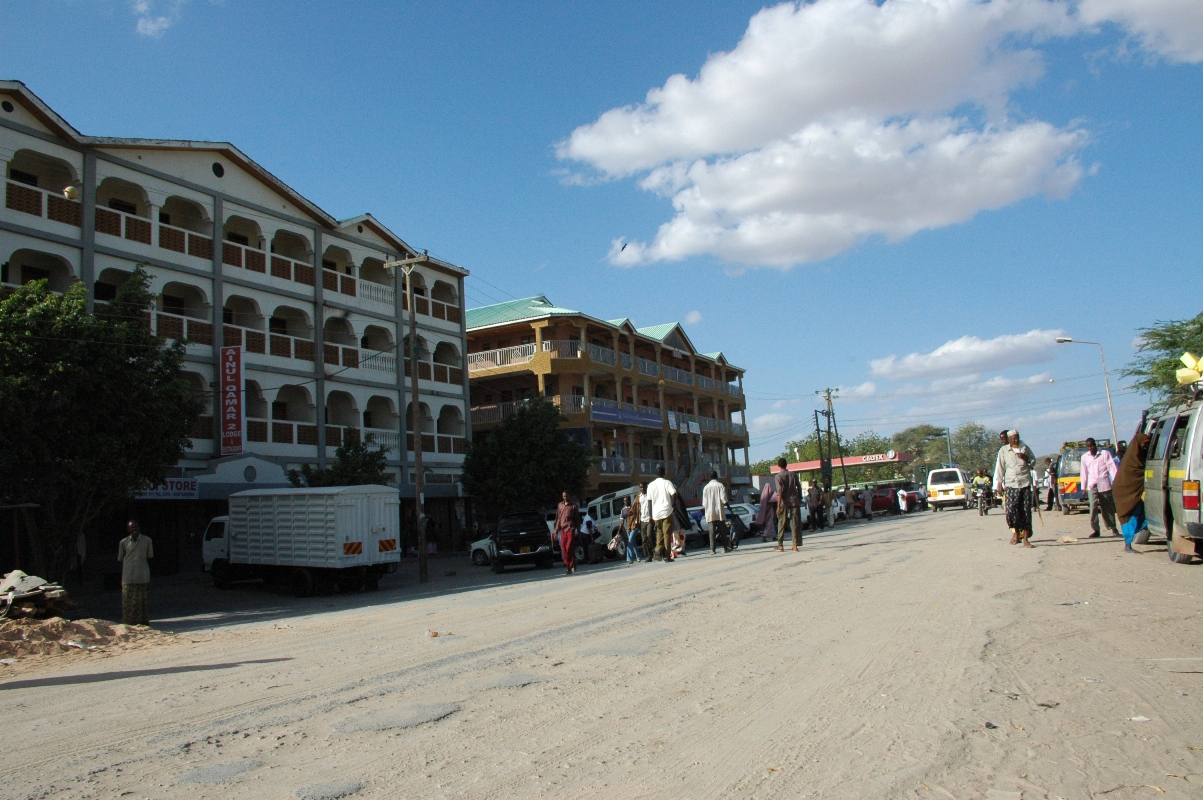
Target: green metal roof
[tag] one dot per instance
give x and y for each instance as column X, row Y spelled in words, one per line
column 514, row 311
column 657, row 332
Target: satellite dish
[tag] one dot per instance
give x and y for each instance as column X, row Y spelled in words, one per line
column 890, row 454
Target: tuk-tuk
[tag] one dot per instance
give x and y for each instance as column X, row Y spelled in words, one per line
column 1069, row 474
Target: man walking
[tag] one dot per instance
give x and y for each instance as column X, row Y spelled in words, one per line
column 134, row 552
column 1098, row 473
column 1013, row 478
column 568, row 522
column 660, row 494
column 647, row 532
column 814, row 508
column 714, row 502
column 631, row 525
column 789, row 505
column 1050, row 484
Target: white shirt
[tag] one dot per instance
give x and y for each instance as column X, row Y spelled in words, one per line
column 645, row 508
column 714, row 497
column 1011, row 471
column 660, row 494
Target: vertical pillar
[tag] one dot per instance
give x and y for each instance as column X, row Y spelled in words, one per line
column 319, row 348
column 463, row 342
column 219, row 302
column 401, row 321
column 87, row 256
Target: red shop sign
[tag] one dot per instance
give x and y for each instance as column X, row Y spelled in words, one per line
column 231, row 401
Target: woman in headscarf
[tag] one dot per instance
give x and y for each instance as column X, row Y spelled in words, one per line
column 767, row 518
column 1129, row 488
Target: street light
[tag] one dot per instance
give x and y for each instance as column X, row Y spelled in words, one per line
column 1106, row 381
column 406, row 266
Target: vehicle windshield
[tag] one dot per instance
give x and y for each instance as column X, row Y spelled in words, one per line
column 512, row 523
column 944, row 476
column 1071, row 461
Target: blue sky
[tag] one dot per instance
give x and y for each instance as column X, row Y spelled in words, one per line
column 885, row 198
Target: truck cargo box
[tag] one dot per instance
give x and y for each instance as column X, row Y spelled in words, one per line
column 327, row 528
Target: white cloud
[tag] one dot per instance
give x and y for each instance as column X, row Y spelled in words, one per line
column 1062, row 415
column 862, row 392
column 834, row 121
column 693, row 317
column 968, row 355
column 768, row 423
column 1172, row 29
column 154, row 24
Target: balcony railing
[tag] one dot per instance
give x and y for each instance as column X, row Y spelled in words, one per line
column 704, row 383
column 504, row 357
column 648, row 466
column 40, row 203
column 289, row 269
column 570, row 403
column 293, row 433
column 203, row 429
column 676, row 375
column 440, row 373
column 122, row 225
column 602, row 355
column 708, row 424
column 337, row 355
column 560, row 348
column 724, row 426
column 339, row 435
column 285, row 346
column 738, row 429
column 248, row 258
column 734, row 390
column 249, row 339
column 378, row 360
column 737, row 471
column 256, row 430
column 439, row 443
column 338, row 282
column 173, row 326
column 377, row 292
column 385, row 438
column 628, row 362
column 650, row 368
column 434, row 308
column 721, row 387
column 179, row 240
column 614, row 465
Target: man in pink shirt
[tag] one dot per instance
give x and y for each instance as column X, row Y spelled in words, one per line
column 1098, row 471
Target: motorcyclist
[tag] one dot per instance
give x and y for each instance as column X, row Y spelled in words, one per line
column 981, row 483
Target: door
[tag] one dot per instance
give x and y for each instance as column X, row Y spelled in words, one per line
column 1178, row 452
column 214, row 546
column 1155, row 474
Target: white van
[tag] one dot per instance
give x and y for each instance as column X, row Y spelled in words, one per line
column 607, row 512
column 947, row 487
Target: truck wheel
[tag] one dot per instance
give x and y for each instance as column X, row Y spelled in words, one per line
column 301, row 581
column 221, row 574
column 480, row 558
column 351, row 581
column 1177, row 558
column 498, row 567
column 371, row 582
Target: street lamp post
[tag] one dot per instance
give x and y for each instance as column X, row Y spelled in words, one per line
column 1106, row 381
column 406, row 265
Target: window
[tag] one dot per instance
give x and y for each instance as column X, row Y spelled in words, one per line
column 1154, row 436
column 528, row 340
column 1162, row 441
column 216, row 530
column 227, row 316
column 173, row 305
column 604, row 508
column 23, row 177
column 578, row 391
column 105, row 292
column 237, row 238
column 279, row 409
column 164, row 218
column 367, row 419
column 123, row 206
column 506, row 396
column 329, row 265
column 278, row 325
column 1178, row 436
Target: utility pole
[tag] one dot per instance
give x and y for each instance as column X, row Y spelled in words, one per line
column 948, row 439
column 406, row 265
column 828, row 396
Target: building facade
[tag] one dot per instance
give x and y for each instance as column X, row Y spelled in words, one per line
column 238, row 258
column 638, row 398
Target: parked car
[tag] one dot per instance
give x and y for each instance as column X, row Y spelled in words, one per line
column 606, row 511
column 521, row 538
column 482, row 551
column 885, row 501
column 948, row 488
column 1172, row 475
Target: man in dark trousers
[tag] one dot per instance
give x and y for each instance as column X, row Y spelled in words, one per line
column 134, row 552
column 568, row 522
column 814, row 505
column 1050, row 484
column 789, row 505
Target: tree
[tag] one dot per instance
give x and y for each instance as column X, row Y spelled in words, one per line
column 975, row 447
column 357, row 463
column 526, row 462
column 92, row 408
column 1158, row 351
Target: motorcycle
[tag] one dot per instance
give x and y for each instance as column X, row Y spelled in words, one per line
column 981, row 496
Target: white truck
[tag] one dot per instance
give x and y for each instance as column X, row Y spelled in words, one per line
column 349, row 535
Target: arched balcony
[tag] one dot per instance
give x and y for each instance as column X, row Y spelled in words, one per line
column 444, row 302
column 425, row 368
column 184, row 227
column 342, row 419
column 427, row 426
column 293, row 417
column 341, row 346
column 243, row 324
column 182, row 313
column 290, row 334
column 338, row 272
column 448, row 368
column 108, row 282
column 256, row 410
column 292, row 257
column 375, row 283
column 380, row 419
column 242, row 244
column 123, row 210
column 450, row 429
column 377, row 351
column 26, row 266
column 34, row 185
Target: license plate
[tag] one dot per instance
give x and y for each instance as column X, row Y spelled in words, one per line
column 523, row 549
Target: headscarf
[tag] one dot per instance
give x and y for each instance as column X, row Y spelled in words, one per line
column 768, row 503
column 1129, row 483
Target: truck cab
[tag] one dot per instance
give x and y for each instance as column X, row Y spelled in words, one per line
column 216, row 545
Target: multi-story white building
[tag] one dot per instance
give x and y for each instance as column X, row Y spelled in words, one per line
column 236, row 257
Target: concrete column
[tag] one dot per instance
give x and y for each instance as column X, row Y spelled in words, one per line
column 401, row 321
column 588, row 396
column 87, row 257
column 319, row 347
column 219, row 302
column 463, row 348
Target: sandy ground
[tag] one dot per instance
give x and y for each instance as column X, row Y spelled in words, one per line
column 919, row 657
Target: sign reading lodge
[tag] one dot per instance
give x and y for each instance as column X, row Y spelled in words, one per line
column 231, row 401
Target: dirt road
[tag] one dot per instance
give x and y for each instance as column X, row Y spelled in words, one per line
column 919, row 657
